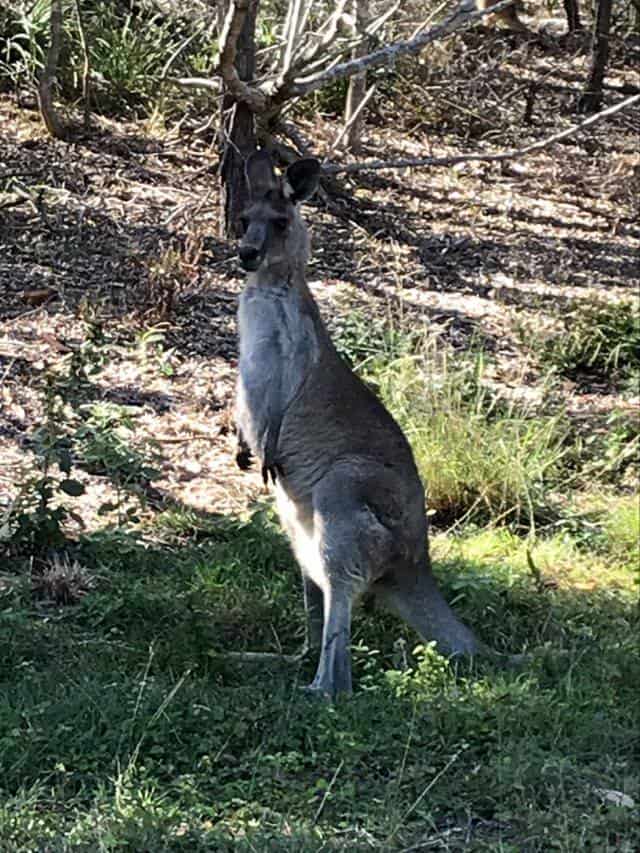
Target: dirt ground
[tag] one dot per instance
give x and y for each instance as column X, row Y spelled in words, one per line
column 126, row 220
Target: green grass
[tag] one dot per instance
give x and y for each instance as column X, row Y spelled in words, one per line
column 597, row 340
column 482, row 456
column 124, row 726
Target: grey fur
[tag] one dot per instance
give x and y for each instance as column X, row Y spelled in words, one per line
column 348, row 492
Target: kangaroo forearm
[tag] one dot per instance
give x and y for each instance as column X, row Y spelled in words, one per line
column 259, row 423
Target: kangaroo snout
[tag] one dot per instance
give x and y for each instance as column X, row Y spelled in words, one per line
column 250, row 257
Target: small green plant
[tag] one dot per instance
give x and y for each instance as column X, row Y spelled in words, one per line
column 151, row 349
column 599, row 339
column 75, row 433
column 33, row 522
column 104, row 445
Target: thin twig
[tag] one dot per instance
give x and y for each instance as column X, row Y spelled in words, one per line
column 176, row 53
column 429, row 18
column 424, row 793
column 414, row 162
column 86, row 68
column 320, row 809
column 198, row 82
column 353, row 119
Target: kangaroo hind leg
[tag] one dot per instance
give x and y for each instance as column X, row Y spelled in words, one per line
column 350, row 546
column 314, row 609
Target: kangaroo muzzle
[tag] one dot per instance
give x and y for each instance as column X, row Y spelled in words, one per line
column 253, row 246
column 250, row 257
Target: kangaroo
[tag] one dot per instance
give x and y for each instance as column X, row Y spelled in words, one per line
column 347, row 488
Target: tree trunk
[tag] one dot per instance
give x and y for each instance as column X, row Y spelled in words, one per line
column 358, row 83
column 589, row 101
column 573, row 15
column 237, row 133
column 48, row 77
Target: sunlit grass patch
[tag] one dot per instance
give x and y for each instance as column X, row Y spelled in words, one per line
column 556, row 560
column 480, row 455
column 598, row 338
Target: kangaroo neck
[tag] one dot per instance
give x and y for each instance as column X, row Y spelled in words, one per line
column 287, row 282
column 279, row 275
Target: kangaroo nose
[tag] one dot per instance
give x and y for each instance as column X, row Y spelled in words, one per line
column 249, row 256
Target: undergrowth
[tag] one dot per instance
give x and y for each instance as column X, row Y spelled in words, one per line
column 131, row 50
column 132, row 718
column 482, row 456
column 597, row 340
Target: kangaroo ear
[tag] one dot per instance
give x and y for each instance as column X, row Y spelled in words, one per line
column 301, row 179
column 260, row 174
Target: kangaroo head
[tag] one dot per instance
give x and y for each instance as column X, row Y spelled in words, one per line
column 274, row 233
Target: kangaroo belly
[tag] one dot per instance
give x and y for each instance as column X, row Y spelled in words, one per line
column 296, row 517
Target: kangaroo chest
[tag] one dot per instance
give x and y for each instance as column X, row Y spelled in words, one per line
column 278, row 348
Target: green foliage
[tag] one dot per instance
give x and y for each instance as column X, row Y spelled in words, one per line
column 33, row 522
column 128, row 53
column 131, row 49
column 24, row 30
column 622, row 530
column 363, row 341
column 74, row 433
column 481, row 455
column 598, row 339
column 610, row 450
column 105, row 445
column 138, row 733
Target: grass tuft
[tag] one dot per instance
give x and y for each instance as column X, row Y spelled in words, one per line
column 482, row 456
column 598, row 340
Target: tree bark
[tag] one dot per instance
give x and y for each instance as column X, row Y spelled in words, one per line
column 358, row 83
column 50, row 117
column 591, row 97
column 237, row 132
column 573, row 15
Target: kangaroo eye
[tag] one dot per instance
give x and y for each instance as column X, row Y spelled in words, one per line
column 281, row 223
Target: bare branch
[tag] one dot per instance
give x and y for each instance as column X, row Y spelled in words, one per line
column 50, row 117
column 325, row 36
column 241, row 91
column 413, row 162
column 263, row 657
column 353, row 118
column 297, row 16
column 460, row 20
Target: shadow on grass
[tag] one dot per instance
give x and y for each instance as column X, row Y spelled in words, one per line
column 120, row 715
